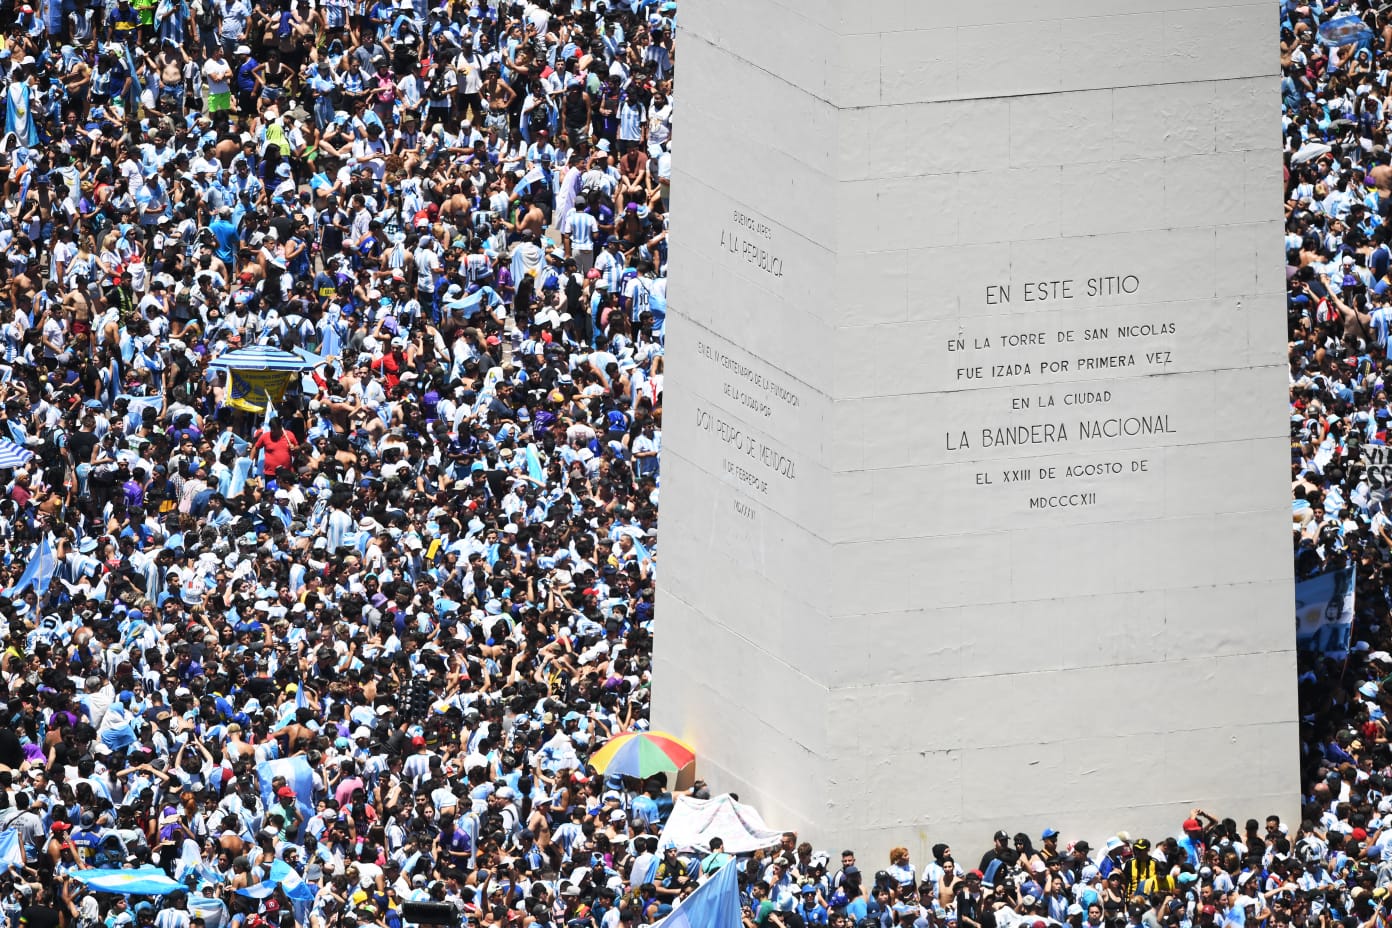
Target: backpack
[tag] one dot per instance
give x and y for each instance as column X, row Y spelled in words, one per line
column 538, row 118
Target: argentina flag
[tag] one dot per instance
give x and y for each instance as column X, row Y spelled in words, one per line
column 714, row 904
column 299, row 776
column 1345, row 30
column 38, row 573
column 11, row 850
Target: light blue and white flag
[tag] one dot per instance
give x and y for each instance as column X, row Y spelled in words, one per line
column 13, row 455
column 282, row 875
column 138, row 881
column 11, row 850
column 299, row 776
column 39, row 571
column 714, row 904
column 212, row 911
column 1348, row 29
column 534, row 469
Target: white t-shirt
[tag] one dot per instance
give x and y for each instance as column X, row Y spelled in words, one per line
column 62, row 253
column 53, row 332
column 219, row 75
column 427, row 263
column 367, row 874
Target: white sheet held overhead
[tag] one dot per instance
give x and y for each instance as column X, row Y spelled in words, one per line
column 694, row 822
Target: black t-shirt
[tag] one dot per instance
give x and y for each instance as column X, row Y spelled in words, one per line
column 38, row 916
column 258, row 686
column 968, row 907
column 81, row 445
column 284, row 226
column 330, row 235
column 11, row 751
column 64, row 755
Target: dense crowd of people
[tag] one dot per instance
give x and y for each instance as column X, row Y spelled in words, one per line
column 426, row 566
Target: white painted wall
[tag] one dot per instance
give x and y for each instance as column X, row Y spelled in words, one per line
column 872, row 643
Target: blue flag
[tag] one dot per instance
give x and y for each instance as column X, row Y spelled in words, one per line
column 301, row 699
column 39, row 571
column 241, row 469
column 11, row 850
column 24, row 187
column 139, row 881
column 714, row 904
column 1345, row 30
column 300, row 893
column 299, row 776
column 284, row 876
column 136, row 88
column 212, row 911
column 534, row 465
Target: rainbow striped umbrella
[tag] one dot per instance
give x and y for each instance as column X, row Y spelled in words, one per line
column 642, row 754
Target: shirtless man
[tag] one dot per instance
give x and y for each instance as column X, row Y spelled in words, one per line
column 79, row 308
column 1357, row 324
column 227, row 149
column 23, row 286
column 498, row 98
column 456, row 208
column 170, row 61
column 531, row 218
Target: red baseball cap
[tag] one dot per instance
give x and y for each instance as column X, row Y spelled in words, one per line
column 1192, row 824
column 285, row 792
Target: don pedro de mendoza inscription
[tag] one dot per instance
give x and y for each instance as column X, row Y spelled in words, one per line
column 749, row 460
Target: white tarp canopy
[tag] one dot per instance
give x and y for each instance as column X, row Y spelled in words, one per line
column 694, row 822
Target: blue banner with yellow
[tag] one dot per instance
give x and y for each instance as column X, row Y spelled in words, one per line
column 250, row 390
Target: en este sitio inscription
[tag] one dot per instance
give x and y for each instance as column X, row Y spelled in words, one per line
column 1060, row 442
column 1017, row 352
column 1013, row 350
